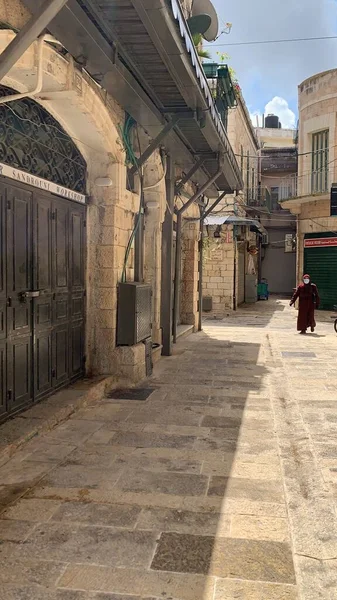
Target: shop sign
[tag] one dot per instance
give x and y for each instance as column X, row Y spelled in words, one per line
column 42, row 184
column 320, row 242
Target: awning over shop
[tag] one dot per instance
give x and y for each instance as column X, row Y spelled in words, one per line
column 142, row 52
column 234, row 220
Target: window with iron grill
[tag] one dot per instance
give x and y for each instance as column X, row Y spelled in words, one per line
column 33, row 141
column 320, row 162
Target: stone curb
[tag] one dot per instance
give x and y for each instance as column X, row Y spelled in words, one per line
column 61, row 406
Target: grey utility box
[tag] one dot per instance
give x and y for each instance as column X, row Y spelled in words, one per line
column 133, row 313
column 207, row 303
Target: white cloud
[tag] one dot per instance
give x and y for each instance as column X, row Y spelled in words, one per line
column 268, row 70
column 277, row 106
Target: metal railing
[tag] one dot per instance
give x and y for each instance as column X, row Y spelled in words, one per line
column 308, row 184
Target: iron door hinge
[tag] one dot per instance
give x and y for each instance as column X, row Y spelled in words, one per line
column 9, row 395
column 53, row 215
column 9, row 205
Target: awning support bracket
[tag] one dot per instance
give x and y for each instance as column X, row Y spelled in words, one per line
column 203, row 188
column 190, row 174
column 177, row 270
column 215, row 203
column 28, row 34
column 156, row 142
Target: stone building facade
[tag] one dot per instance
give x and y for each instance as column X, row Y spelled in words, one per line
column 95, row 123
column 316, row 174
column 278, row 183
column 226, row 261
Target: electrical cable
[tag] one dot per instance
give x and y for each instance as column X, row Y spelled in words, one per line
column 284, row 41
column 125, row 136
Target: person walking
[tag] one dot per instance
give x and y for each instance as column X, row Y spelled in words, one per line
column 308, row 296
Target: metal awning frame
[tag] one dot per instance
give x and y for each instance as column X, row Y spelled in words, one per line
column 235, row 220
column 28, row 34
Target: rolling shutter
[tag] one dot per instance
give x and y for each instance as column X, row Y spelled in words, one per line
column 320, row 263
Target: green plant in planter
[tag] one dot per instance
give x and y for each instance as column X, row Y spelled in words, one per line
column 197, row 39
column 224, row 58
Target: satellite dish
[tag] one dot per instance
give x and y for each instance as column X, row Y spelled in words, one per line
column 199, row 24
column 206, row 8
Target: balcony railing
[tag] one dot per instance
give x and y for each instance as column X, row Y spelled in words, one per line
column 268, row 199
column 222, row 89
column 308, row 184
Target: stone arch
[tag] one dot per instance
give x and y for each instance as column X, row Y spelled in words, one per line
column 33, row 141
column 91, row 118
column 86, row 114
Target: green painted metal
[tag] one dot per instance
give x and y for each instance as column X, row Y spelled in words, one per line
column 321, row 264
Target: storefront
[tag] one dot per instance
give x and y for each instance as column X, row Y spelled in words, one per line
column 42, row 261
column 320, row 261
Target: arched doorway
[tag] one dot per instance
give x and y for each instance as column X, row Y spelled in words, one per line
column 42, row 262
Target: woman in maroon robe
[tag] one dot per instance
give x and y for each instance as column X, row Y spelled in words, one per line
column 307, row 294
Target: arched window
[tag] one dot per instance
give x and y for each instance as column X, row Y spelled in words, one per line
column 33, row 141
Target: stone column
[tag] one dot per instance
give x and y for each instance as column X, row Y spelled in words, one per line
column 110, row 222
column 189, row 274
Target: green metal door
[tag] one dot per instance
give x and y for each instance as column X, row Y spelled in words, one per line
column 320, row 262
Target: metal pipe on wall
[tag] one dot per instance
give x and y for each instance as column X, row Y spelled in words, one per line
column 200, row 266
column 234, row 274
column 139, row 244
column 166, row 261
column 177, row 277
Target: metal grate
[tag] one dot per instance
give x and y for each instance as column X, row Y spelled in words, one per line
column 31, row 140
column 140, row 394
column 134, row 313
column 143, row 313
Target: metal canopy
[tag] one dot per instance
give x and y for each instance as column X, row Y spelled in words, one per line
column 234, row 220
column 142, row 53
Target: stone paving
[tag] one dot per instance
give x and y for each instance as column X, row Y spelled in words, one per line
column 221, row 485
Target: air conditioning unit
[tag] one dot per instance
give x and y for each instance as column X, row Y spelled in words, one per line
column 133, row 313
column 265, row 239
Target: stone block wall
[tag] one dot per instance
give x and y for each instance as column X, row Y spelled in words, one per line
column 218, row 276
column 317, row 112
column 189, row 274
column 93, row 118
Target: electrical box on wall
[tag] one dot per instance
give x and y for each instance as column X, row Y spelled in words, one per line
column 290, row 243
column 133, row 313
column 333, row 200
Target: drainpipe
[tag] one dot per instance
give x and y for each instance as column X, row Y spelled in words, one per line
column 259, row 266
column 235, row 254
column 200, row 265
column 139, row 244
column 177, row 277
column 234, row 276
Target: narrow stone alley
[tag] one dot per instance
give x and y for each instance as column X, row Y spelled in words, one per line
column 216, row 481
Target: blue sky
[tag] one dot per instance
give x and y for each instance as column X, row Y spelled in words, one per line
column 269, row 74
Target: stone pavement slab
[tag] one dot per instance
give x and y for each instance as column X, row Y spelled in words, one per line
column 220, row 485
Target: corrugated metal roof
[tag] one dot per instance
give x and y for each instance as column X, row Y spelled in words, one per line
column 234, row 220
column 136, row 24
column 142, row 53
